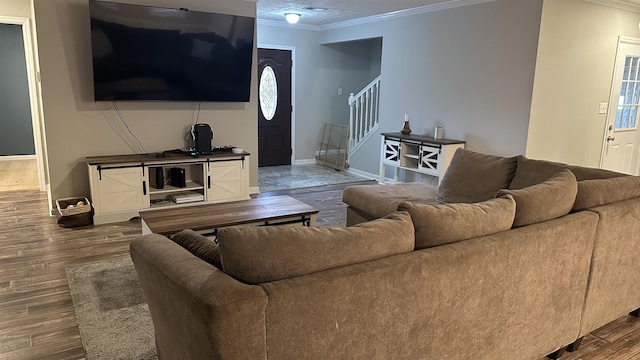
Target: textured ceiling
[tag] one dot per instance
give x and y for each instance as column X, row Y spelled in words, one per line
column 336, row 10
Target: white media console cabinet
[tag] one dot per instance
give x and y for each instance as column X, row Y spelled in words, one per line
column 124, row 185
column 421, row 154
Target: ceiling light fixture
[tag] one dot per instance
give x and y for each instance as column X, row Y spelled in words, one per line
column 292, row 18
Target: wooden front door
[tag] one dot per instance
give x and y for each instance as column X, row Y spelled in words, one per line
column 274, row 112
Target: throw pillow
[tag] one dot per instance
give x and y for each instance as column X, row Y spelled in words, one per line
column 474, row 177
column 548, row 200
column 531, row 172
column 446, row 223
column 256, row 255
column 199, row 246
column 592, row 193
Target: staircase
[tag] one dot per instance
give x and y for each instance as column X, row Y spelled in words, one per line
column 363, row 119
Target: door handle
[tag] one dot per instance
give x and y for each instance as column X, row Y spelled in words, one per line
column 610, row 138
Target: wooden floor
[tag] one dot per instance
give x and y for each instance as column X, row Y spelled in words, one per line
column 37, row 319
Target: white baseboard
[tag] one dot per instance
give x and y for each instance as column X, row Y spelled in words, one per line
column 363, row 174
column 17, row 157
column 305, row 162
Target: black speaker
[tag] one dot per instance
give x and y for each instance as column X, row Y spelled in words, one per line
column 177, row 176
column 202, row 136
column 157, row 180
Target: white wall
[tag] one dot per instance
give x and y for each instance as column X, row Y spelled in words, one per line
column 578, row 42
column 18, row 8
column 76, row 128
column 468, row 69
column 347, row 66
column 320, row 71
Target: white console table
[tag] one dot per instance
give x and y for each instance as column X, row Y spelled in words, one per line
column 421, row 154
column 123, row 185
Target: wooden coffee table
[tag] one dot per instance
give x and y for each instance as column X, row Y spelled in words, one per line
column 206, row 219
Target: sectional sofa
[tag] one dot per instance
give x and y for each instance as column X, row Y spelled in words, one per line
column 509, row 258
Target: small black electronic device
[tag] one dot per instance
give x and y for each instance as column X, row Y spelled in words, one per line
column 177, row 177
column 202, row 135
column 157, row 180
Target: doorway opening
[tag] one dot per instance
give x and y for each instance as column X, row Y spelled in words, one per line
column 29, row 144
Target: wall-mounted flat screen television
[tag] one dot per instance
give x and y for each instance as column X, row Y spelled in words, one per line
column 152, row 53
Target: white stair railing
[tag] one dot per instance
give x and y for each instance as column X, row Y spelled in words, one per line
column 363, row 118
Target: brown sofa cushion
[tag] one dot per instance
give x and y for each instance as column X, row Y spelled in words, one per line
column 256, row 255
column 474, row 177
column 382, row 200
column 548, row 200
column 446, row 223
column 532, row 172
column 199, row 246
column 592, row 193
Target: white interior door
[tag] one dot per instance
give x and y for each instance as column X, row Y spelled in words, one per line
column 622, row 138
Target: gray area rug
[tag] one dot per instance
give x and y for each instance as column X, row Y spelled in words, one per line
column 111, row 311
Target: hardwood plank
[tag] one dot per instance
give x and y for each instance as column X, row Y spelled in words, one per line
column 590, row 349
column 618, row 329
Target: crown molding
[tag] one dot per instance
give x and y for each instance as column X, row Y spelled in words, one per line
column 284, row 24
column 618, row 4
column 402, row 13
column 392, row 15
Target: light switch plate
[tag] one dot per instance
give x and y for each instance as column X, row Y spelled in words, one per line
column 602, row 109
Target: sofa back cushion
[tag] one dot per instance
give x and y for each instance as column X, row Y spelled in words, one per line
column 531, row 172
column 199, row 245
column 548, row 200
column 474, row 177
column 381, row 200
column 256, row 255
column 592, row 193
column 446, row 223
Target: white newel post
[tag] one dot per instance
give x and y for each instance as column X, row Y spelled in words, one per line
column 351, row 122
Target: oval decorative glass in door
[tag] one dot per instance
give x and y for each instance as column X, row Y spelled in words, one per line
column 268, row 93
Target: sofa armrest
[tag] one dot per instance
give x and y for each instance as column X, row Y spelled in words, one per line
column 198, row 311
column 615, row 266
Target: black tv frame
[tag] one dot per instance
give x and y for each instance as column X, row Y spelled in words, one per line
column 147, row 53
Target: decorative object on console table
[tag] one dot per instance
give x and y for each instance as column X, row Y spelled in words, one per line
column 438, row 133
column 421, row 154
column 406, row 130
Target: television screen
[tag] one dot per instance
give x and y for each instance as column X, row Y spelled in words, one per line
column 151, row 53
